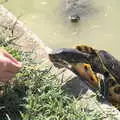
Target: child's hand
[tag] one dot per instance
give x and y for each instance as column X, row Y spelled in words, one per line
column 9, row 66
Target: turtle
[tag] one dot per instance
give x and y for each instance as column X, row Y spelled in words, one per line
column 74, row 18
column 76, row 10
column 100, row 70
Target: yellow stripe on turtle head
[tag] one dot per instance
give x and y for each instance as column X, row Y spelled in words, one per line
column 87, row 73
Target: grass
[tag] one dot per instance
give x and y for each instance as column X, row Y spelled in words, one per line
column 35, row 93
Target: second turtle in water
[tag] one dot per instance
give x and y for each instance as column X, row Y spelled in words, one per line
column 74, row 18
column 76, row 10
column 87, row 63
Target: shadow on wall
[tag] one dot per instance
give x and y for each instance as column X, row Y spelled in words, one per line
column 75, row 87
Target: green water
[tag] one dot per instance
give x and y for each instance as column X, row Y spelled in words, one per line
column 44, row 17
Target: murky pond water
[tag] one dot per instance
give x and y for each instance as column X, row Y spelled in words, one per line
column 44, row 17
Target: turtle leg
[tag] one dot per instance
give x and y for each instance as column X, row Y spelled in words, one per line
column 103, row 90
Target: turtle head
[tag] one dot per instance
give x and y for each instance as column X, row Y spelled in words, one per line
column 77, row 61
column 64, row 57
column 74, row 18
